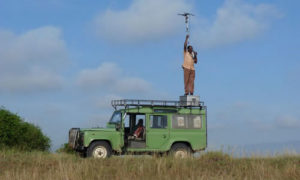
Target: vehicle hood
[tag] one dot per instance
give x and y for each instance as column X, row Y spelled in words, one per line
column 97, row 129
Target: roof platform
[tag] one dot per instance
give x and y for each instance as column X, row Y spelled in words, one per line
column 157, row 103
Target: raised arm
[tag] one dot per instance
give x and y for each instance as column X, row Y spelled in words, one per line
column 185, row 43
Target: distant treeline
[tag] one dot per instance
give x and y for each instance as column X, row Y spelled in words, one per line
column 18, row 134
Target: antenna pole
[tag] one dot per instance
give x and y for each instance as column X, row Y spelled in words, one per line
column 187, row 25
column 187, row 22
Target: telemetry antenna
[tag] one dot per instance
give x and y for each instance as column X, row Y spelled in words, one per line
column 187, row 16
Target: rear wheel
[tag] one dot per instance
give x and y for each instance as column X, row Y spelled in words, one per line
column 99, row 150
column 180, row 150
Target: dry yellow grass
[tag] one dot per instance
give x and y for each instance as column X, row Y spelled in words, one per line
column 214, row 165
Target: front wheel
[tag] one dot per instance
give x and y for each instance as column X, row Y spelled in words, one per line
column 180, row 150
column 99, row 150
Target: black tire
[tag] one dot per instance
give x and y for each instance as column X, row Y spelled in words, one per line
column 99, row 150
column 180, row 150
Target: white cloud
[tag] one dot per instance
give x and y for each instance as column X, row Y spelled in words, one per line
column 101, row 76
column 253, row 116
column 132, row 84
column 145, row 20
column 109, row 76
column 288, row 122
column 142, row 20
column 105, row 101
column 34, row 80
column 235, row 21
column 31, row 61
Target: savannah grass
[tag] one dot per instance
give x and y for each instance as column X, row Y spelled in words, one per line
column 212, row 165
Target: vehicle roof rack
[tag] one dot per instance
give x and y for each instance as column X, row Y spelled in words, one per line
column 158, row 103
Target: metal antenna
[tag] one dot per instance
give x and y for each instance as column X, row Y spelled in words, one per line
column 187, row 16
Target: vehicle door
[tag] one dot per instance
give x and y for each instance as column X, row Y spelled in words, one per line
column 157, row 130
column 117, row 120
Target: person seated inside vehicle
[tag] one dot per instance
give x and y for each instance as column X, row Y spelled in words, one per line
column 138, row 133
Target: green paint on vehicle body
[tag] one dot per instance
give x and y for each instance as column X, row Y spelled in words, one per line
column 157, row 139
column 105, row 134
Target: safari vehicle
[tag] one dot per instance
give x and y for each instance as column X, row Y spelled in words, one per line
column 174, row 127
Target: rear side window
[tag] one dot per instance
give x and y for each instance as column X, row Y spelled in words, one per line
column 158, row 121
column 186, row 122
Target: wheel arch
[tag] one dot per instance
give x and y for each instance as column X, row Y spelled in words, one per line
column 182, row 142
column 100, row 140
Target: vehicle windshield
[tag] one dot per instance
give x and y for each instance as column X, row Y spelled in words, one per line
column 116, row 117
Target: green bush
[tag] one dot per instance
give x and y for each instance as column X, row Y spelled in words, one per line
column 65, row 148
column 15, row 133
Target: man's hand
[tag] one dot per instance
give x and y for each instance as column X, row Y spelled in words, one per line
column 187, row 36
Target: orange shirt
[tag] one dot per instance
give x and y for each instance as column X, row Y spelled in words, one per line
column 138, row 132
column 188, row 61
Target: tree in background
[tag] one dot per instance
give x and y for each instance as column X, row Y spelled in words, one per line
column 15, row 133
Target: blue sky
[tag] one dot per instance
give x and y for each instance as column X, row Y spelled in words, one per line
column 61, row 62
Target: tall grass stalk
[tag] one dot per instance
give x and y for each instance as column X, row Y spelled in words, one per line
column 211, row 165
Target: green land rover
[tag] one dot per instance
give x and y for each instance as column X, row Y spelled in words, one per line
column 175, row 127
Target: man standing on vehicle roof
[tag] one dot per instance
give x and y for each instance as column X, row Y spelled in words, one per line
column 189, row 59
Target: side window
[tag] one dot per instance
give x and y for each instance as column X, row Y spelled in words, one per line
column 186, row 122
column 158, row 121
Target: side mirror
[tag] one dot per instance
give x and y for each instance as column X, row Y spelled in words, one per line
column 118, row 126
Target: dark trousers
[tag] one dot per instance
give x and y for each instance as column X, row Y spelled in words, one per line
column 189, row 77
